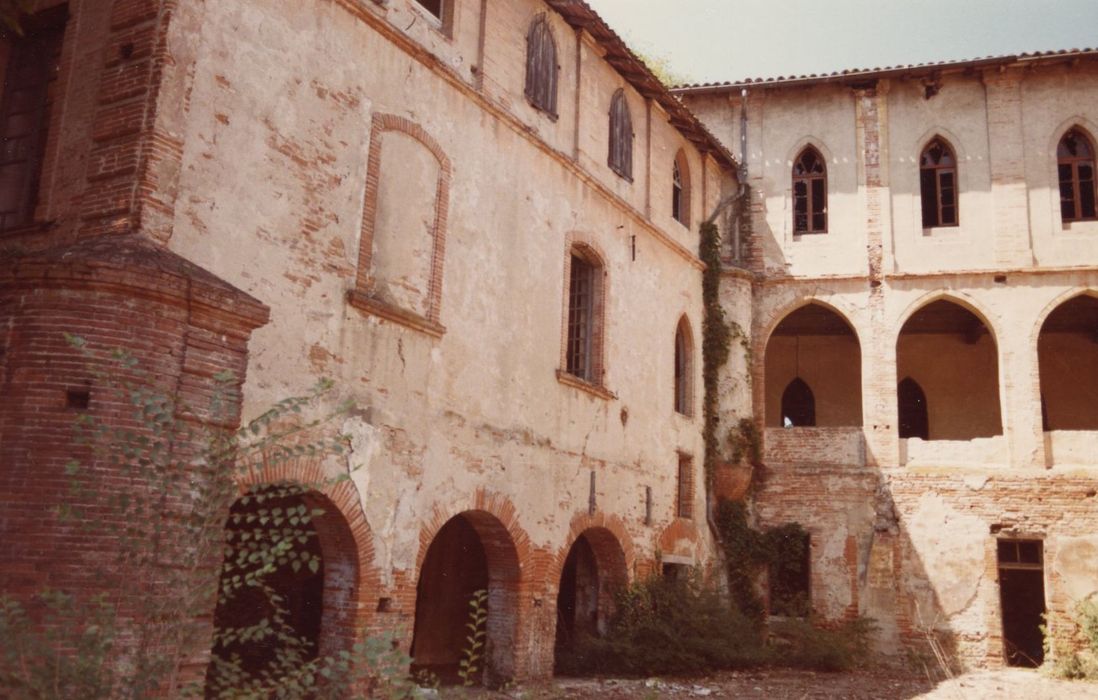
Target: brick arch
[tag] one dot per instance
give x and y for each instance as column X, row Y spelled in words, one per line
column 762, row 339
column 346, row 543
column 957, row 297
column 610, row 533
column 509, row 554
column 1056, row 303
column 383, row 123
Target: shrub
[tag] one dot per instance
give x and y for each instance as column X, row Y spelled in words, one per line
column 663, row 626
column 801, row 644
column 1079, row 663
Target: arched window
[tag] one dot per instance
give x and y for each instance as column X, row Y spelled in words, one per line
column 680, row 190
column 914, row 420
column 583, row 347
column 1075, row 162
column 938, row 184
column 798, row 405
column 621, row 136
column 683, row 369
column 541, row 66
column 809, row 192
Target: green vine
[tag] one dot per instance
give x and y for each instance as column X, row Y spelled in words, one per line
column 747, row 551
column 716, row 340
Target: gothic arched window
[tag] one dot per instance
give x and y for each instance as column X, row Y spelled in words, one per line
column 1075, row 164
column 809, row 192
column 798, row 405
column 938, row 184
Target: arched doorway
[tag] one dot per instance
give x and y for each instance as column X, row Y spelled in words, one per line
column 813, row 370
column 949, row 353
column 287, row 585
column 472, row 552
column 593, row 572
column 1068, row 358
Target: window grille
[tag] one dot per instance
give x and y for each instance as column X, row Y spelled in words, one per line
column 684, row 507
column 581, row 320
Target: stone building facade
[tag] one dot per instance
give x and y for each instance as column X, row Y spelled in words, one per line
column 924, row 294
column 481, row 221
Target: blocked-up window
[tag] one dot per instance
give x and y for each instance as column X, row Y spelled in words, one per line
column 1075, row 165
column 938, row 184
column 541, row 67
column 404, row 225
column 621, row 136
column 684, row 505
column 25, row 107
column 810, row 192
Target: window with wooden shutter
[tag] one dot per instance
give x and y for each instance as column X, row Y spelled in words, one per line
column 810, row 192
column 1075, row 164
column 621, row 136
column 24, row 116
column 684, row 363
column 938, row 184
column 541, row 67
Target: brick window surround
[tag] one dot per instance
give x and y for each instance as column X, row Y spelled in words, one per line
column 592, row 374
column 362, row 296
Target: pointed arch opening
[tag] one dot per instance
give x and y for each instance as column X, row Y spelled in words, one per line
column 938, row 184
column 914, row 421
column 593, row 573
column 621, row 136
column 680, row 189
column 472, row 552
column 813, row 370
column 809, row 192
column 1075, row 168
column 949, row 352
column 1067, row 350
column 684, row 368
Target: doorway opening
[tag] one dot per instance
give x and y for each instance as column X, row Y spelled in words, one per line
column 1022, row 600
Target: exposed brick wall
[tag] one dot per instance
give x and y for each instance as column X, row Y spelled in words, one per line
column 180, row 324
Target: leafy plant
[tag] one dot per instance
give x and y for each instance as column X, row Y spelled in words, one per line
column 469, row 668
column 1077, row 658
column 155, row 476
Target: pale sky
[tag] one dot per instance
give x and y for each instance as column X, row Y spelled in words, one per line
column 717, row 40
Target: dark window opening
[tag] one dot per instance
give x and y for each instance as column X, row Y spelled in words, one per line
column 810, row 192
column 684, row 503
column 1022, row 600
column 1075, row 165
column 581, row 344
column 914, row 419
column 541, row 67
column 78, row 399
column 680, row 190
column 675, row 573
column 621, row 136
column 25, row 107
column 682, row 373
column 938, row 184
column 790, row 578
column 432, row 6
column 798, row 405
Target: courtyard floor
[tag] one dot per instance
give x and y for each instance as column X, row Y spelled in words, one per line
column 1008, row 683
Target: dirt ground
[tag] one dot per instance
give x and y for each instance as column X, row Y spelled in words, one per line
column 1015, row 684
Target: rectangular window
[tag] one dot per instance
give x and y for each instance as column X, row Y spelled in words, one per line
column 24, row 116
column 790, row 578
column 685, row 501
column 581, row 319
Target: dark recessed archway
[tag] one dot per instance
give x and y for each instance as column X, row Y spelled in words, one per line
column 305, row 601
column 1067, row 351
column 592, row 574
column 813, row 370
column 471, row 552
column 949, row 353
